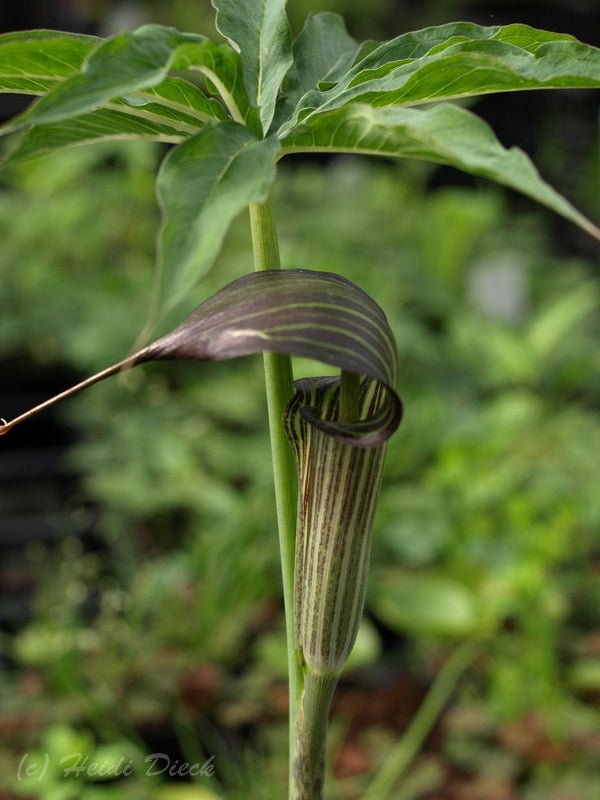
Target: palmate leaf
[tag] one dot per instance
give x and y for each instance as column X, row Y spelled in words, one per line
column 260, row 32
column 168, row 113
column 322, row 51
column 317, row 315
column 118, row 66
column 202, row 185
column 176, row 100
column 122, row 88
column 38, row 62
column 135, row 67
column 222, row 66
column 444, row 134
column 33, row 62
column 106, row 124
column 457, row 60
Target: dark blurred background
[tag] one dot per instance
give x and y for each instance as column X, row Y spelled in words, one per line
column 140, row 608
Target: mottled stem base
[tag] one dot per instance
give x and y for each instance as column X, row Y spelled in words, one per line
column 311, row 736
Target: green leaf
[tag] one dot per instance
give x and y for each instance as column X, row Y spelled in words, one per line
column 556, row 324
column 444, row 134
column 170, row 112
column 129, row 73
column 322, row 50
column 584, row 675
column 223, row 69
column 178, row 100
column 260, row 31
column 459, row 60
column 121, row 65
column 33, row 62
column 425, row 605
column 315, row 315
column 429, row 41
column 102, row 125
column 202, row 185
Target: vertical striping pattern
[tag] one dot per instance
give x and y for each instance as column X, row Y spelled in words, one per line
column 338, row 486
column 338, row 489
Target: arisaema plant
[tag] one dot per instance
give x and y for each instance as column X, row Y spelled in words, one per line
column 231, row 111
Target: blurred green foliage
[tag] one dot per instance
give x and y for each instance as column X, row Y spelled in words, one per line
column 490, row 513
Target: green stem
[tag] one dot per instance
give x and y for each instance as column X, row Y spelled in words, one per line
column 311, row 735
column 278, row 380
column 405, row 751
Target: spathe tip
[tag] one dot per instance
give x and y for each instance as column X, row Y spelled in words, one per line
column 127, row 363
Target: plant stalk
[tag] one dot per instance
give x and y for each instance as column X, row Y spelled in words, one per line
column 411, row 742
column 311, row 735
column 278, row 381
